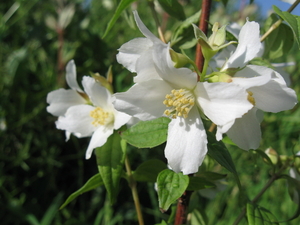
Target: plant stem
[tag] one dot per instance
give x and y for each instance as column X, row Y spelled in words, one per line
column 203, row 25
column 132, row 185
column 182, row 208
column 278, row 22
column 263, row 190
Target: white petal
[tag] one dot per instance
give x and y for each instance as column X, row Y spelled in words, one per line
column 222, row 102
column 60, row 100
column 98, row 139
column 223, row 129
column 186, row 144
column 77, row 120
column 131, row 51
column 98, row 94
column 177, row 77
column 120, row 119
column 71, row 76
column 245, row 132
column 274, row 97
column 145, row 68
column 144, row 29
column 248, row 48
column 143, row 100
column 252, row 76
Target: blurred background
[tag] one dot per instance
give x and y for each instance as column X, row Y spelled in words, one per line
column 39, row 170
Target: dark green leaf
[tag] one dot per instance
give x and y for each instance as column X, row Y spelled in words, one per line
column 123, row 5
column 173, row 8
column 94, row 182
column 218, row 151
column 170, row 187
column 147, row 134
column 292, row 20
column 276, row 44
column 198, row 183
column 211, row 175
column 148, row 171
column 110, row 160
column 162, row 223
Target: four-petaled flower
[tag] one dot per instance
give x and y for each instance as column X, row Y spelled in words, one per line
column 94, row 117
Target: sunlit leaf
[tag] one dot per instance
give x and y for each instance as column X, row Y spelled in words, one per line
column 292, row 20
column 276, row 44
column 147, row 134
column 110, row 160
column 170, row 187
column 94, row 182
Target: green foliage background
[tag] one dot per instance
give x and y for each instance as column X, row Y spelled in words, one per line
column 39, row 170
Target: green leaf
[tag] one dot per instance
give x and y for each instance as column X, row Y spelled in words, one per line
column 276, row 45
column 198, row 183
column 184, row 32
column 170, row 187
column 294, row 189
column 149, row 170
column 199, row 217
column 259, row 216
column 218, row 151
column 211, row 175
column 292, row 20
column 147, row 134
column 94, row 182
column 162, row 223
column 110, row 160
column 123, row 5
column 173, row 8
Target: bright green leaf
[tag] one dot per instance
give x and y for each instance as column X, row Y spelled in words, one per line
column 123, row 5
column 170, row 187
column 147, row 134
column 276, row 44
column 198, row 183
column 110, row 160
column 292, row 20
column 173, row 8
column 218, row 151
column 199, row 217
column 94, row 182
column 148, row 171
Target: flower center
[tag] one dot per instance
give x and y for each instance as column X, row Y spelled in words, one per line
column 179, row 102
column 101, row 117
column 250, row 98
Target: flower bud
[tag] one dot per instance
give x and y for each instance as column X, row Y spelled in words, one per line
column 179, row 60
column 272, row 154
column 219, row 77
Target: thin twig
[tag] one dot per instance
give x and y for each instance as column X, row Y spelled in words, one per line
column 132, row 185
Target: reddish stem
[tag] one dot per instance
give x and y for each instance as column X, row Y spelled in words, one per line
column 203, row 25
column 182, row 208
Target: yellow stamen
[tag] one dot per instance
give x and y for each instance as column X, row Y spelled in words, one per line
column 179, row 102
column 101, row 117
column 250, row 98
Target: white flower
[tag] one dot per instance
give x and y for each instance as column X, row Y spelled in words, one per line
column 136, row 55
column 177, row 94
column 60, row 100
column 267, row 90
column 98, row 120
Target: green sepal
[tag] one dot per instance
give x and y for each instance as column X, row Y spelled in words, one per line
column 94, row 182
column 292, row 20
column 170, row 186
column 110, row 161
column 149, row 170
column 147, row 134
